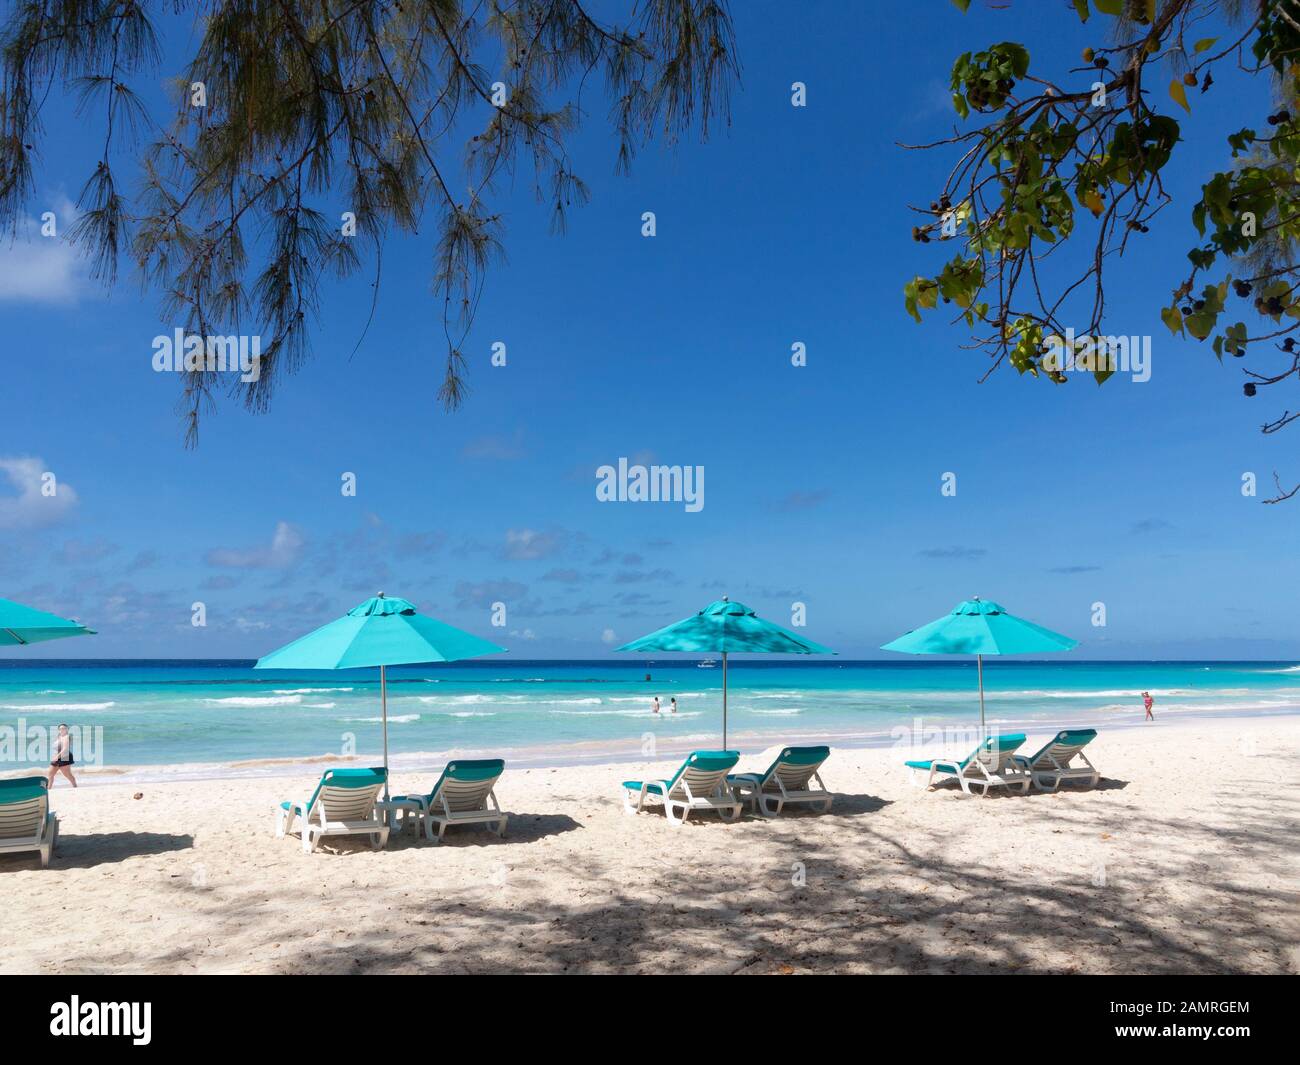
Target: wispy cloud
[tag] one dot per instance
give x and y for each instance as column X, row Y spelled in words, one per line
column 1074, row 569
column 801, row 500
column 963, row 554
column 482, row 594
column 529, row 544
column 83, row 552
column 43, row 269
column 1149, row 525
column 563, row 576
column 500, row 448
column 40, row 501
column 285, row 547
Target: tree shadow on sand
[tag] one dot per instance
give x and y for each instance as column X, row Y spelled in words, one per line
column 103, row 848
column 859, row 893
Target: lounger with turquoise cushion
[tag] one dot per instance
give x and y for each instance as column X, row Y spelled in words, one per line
column 1050, row 766
column 700, row 784
column 992, row 764
column 786, row 781
column 343, row 804
column 26, row 823
column 464, row 795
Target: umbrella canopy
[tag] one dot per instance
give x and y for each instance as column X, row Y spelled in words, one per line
column 726, row 628
column 380, row 632
column 24, row 624
column 980, row 627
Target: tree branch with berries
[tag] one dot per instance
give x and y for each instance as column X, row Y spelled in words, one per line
column 1053, row 181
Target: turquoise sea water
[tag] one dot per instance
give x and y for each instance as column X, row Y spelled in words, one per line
column 192, row 719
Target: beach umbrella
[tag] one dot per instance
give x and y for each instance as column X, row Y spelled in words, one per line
column 979, row 627
column 726, row 628
column 24, row 624
column 381, row 632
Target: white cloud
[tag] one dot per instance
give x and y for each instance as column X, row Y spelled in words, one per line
column 286, row 545
column 43, row 269
column 608, row 636
column 529, row 544
column 33, row 506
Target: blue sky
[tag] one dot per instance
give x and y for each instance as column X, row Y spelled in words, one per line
column 822, row 483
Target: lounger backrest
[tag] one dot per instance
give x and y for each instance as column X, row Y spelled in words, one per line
column 703, row 771
column 794, row 768
column 1064, row 747
column 996, row 752
column 348, row 794
column 465, row 784
column 24, row 804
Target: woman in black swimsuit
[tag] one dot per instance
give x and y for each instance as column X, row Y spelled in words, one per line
column 62, row 758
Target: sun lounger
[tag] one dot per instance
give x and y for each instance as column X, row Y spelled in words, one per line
column 1050, row 766
column 700, row 784
column 344, row 803
column 26, row 823
column 786, row 781
column 461, row 796
column 992, row 764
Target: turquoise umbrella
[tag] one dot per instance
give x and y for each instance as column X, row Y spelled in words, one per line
column 979, row 627
column 24, row 624
column 380, row 632
column 728, row 628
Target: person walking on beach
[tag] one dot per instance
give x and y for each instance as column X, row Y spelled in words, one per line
column 1148, row 702
column 656, row 704
column 674, row 705
column 62, row 762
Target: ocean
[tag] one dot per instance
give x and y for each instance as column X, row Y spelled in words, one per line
column 195, row 719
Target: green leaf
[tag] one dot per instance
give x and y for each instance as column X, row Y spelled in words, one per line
column 1179, row 92
column 1109, row 7
column 1203, row 44
column 963, row 5
column 1173, row 318
column 1081, row 6
column 1200, row 324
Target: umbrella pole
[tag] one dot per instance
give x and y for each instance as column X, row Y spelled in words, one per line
column 979, row 666
column 383, row 698
column 724, row 700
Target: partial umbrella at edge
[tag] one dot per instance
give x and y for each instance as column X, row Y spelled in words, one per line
column 21, row 625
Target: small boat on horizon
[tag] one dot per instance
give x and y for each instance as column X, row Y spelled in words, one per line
column 707, row 663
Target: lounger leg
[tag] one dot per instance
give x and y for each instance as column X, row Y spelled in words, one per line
column 640, row 799
column 501, row 825
column 668, row 813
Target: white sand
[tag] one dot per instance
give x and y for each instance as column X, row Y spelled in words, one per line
column 1183, row 860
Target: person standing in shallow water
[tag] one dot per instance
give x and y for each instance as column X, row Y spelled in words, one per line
column 62, row 762
column 1148, row 702
column 656, row 704
column 674, row 705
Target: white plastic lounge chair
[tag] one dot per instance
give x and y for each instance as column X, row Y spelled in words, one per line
column 26, row 823
column 786, row 781
column 1050, row 766
column 992, row 764
column 461, row 796
column 343, row 804
column 700, row 784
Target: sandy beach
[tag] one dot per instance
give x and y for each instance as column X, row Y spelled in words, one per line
column 1183, row 860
